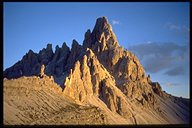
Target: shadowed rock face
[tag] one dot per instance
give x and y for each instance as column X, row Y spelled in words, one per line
column 100, row 68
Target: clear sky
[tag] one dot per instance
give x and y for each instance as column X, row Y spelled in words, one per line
column 158, row 33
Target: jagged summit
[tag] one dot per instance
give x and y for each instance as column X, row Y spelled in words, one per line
column 103, row 74
column 121, row 65
column 102, row 37
column 101, row 26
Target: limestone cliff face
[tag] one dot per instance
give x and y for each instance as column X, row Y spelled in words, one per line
column 21, row 68
column 57, row 64
column 124, row 66
column 86, row 75
column 78, row 84
column 99, row 67
column 88, row 78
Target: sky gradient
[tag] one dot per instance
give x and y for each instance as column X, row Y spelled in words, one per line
column 158, row 33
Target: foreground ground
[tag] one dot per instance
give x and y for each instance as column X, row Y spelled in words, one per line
column 34, row 100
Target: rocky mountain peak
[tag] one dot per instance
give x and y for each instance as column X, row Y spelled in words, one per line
column 102, row 25
column 98, row 73
column 49, row 47
column 75, row 44
column 102, row 37
column 30, row 52
column 64, row 46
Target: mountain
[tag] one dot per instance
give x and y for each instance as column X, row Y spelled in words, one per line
column 98, row 78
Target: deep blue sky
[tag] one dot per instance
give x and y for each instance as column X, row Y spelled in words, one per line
column 158, row 33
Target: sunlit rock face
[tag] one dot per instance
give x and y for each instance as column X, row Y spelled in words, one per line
column 99, row 74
